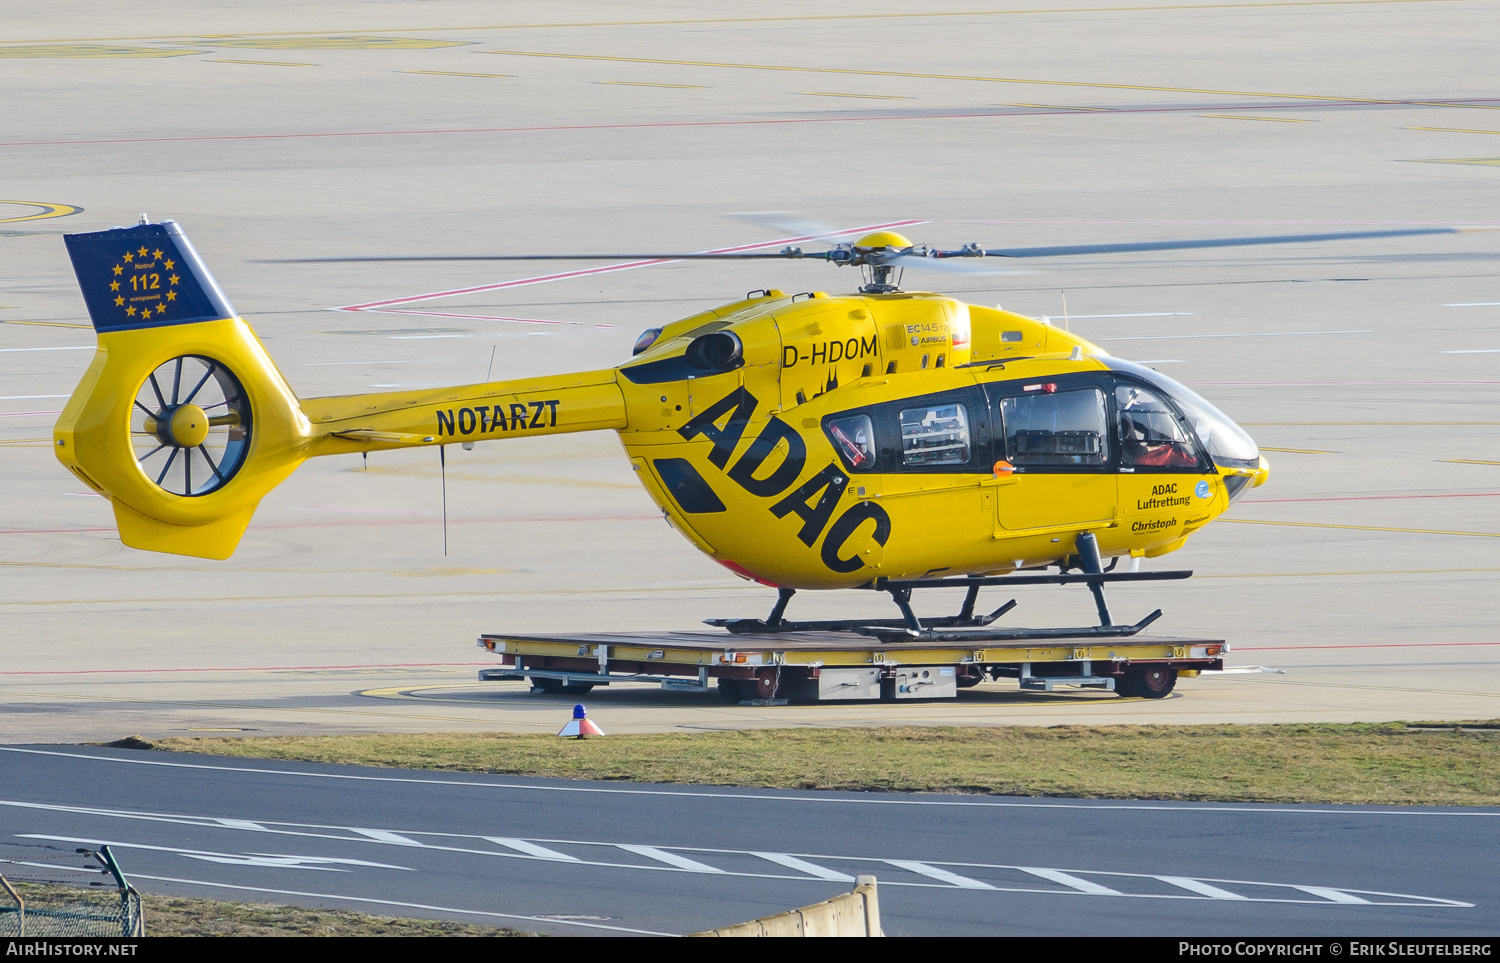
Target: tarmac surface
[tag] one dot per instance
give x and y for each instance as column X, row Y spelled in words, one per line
column 1369, row 371
column 579, row 858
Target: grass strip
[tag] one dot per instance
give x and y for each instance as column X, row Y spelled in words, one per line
column 180, row 916
column 1398, row 764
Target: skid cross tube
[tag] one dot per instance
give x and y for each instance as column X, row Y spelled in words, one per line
column 775, row 622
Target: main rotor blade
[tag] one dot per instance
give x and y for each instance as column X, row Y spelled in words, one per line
column 779, row 255
column 950, row 265
column 1064, row 250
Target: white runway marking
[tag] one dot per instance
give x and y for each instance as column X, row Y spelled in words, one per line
column 671, row 859
column 1473, row 304
column 938, row 873
column 1333, row 895
column 485, row 914
column 988, row 877
column 266, row 860
column 825, row 800
column 1475, row 351
column 1072, row 882
column 803, row 866
column 71, row 347
column 532, row 849
column 1200, row 887
column 382, row 836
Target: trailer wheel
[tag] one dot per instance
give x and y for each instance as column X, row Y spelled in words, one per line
column 556, row 686
column 764, row 685
column 1148, row 682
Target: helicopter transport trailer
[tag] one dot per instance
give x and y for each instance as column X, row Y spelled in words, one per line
column 842, row 666
column 884, row 659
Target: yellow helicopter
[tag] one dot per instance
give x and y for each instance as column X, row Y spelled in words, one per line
column 884, row 439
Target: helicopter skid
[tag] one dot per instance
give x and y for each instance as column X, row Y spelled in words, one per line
column 941, row 634
column 965, row 625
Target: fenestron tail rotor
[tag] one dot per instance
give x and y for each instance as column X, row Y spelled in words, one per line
column 190, row 425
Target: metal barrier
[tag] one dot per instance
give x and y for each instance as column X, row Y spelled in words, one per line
column 66, row 911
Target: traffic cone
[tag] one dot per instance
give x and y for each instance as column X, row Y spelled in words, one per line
column 579, row 726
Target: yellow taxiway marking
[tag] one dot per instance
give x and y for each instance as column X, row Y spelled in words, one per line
column 977, row 78
column 1300, row 451
column 1476, row 161
column 51, row 324
column 1279, row 120
column 323, row 42
column 260, row 63
column 47, row 210
column 455, row 73
column 1362, row 528
column 1468, row 461
column 640, row 83
column 1012, row 12
column 1454, row 130
column 264, row 63
column 828, row 93
column 88, row 50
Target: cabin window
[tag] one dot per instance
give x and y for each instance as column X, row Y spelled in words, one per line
column 1056, row 428
column 1151, row 436
column 854, row 439
column 934, row 435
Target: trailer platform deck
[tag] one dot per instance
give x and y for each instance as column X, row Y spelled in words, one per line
column 837, row 665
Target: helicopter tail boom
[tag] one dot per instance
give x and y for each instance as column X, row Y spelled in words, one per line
column 184, row 422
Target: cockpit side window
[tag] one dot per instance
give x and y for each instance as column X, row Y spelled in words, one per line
column 1050, row 428
column 1151, row 434
column 854, row 439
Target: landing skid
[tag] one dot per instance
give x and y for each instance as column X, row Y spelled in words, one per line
column 966, row 626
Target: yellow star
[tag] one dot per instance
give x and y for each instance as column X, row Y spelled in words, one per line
column 130, row 311
column 168, row 264
column 161, row 309
column 118, row 269
column 119, row 302
column 174, row 279
column 129, row 257
column 114, row 285
column 171, row 295
column 142, row 251
column 156, row 254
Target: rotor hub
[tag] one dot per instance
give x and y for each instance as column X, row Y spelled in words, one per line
column 185, row 426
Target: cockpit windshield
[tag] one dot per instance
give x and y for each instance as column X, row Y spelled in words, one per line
column 1228, row 444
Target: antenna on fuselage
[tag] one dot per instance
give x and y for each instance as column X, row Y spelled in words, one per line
column 443, row 473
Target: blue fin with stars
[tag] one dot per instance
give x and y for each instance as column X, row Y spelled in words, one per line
column 145, row 276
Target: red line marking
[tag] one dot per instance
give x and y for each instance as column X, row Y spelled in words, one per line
column 250, row 668
column 629, row 265
column 14, row 414
column 1368, row 498
column 1378, row 645
column 477, row 317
